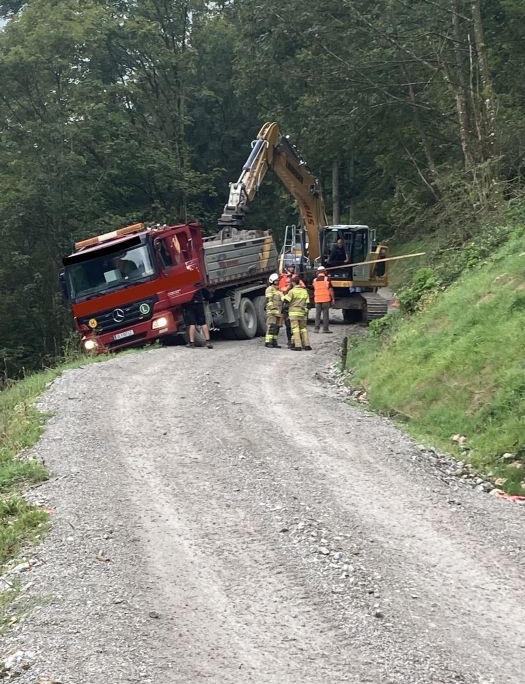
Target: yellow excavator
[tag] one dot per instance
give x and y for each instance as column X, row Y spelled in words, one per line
column 356, row 273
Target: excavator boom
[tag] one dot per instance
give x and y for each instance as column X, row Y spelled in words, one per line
column 273, row 150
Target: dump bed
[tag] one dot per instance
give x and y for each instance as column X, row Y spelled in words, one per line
column 239, row 256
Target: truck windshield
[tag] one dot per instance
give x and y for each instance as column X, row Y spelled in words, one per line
column 108, row 272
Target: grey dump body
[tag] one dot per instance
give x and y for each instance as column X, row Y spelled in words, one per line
column 239, row 257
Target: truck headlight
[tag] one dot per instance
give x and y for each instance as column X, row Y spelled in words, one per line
column 161, row 322
column 90, row 345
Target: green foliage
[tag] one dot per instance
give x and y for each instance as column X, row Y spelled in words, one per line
column 19, row 522
column 457, row 366
column 21, row 425
column 380, row 327
column 111, row 113
column 423, row 282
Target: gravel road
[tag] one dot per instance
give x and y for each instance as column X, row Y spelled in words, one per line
column 225, row 516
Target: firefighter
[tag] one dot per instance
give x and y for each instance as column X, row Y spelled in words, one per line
column 285, row 284
column 323, row 297
column 298, row 304
column 274, row 304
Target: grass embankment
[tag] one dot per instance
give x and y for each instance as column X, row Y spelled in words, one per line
column 21, row 425
column 457, row 366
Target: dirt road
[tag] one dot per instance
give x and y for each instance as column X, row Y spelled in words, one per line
column 224, row 516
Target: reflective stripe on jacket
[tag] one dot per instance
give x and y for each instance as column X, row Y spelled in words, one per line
column 274, row 300
column 299, row 301
column 322, row 289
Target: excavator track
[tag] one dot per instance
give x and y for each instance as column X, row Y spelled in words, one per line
column 374, row 306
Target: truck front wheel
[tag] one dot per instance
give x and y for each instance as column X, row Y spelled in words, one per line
column 247, row 326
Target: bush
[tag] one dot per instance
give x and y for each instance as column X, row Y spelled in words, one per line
column 424, row 281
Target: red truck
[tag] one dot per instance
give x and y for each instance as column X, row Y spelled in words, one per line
column 128, row 287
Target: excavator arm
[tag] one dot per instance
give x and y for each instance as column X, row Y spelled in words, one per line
column 273, row 150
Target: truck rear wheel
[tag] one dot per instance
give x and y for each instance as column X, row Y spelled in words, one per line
column 247, row 326
column 260, row 311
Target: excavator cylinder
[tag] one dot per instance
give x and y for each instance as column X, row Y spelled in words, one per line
column 257, row 144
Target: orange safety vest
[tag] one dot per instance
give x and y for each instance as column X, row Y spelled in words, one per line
column 322, row 289
column 284, row 281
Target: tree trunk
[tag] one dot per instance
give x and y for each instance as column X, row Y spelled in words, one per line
column 489, row 128
column 351, row 178
column 461, row 92
column 434, row 184
column 486, row 81
column 336, row 210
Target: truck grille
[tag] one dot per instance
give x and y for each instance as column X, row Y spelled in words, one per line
column 121, row 316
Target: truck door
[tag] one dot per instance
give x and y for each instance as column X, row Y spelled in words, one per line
column 178, row 257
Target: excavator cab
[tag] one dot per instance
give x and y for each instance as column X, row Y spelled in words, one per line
column 357, row 244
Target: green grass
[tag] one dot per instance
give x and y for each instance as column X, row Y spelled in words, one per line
column 7, row 597
column 21, row 425
column 399, row 271
column 458, row 367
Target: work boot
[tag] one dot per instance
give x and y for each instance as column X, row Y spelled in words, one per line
column 275, row 345
column 307, row 348
column 296, row 348
column 268, row 345
column 290, row 344
column 316, row 329
column 327, row 331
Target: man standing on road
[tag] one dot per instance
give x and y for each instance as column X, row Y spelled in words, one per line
column 299, row 303
column 194, row 315
column 274, row 304
column 323, row 297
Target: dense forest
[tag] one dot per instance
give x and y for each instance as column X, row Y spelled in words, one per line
column 411, row 112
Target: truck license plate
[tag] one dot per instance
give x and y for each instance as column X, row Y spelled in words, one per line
column 126, row 333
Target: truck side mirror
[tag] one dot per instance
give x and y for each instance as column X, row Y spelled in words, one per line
column 63, row 285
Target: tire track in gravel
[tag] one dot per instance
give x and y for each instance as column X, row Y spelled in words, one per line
column 256, row 525
column 239, row 611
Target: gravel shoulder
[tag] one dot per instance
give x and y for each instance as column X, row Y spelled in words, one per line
column 226, row 516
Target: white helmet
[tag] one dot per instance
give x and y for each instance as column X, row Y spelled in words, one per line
column 273, row 278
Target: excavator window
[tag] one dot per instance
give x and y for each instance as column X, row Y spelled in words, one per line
column 359, row 250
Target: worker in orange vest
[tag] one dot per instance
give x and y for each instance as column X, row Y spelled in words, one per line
column 323, row 297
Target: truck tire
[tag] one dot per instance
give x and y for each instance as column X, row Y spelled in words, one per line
column 247, row 326
column 260, row 311
column 200, row 340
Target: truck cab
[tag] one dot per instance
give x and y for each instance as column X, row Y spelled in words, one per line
column 127, row 287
